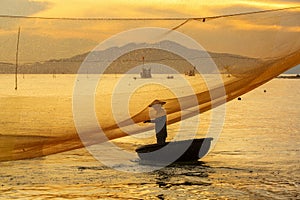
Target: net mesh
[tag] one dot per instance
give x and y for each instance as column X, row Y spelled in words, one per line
column 37, row 104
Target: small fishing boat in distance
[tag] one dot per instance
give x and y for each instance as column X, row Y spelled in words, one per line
column 171, row 152
column 146, row 73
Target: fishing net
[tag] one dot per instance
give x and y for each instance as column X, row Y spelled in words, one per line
column 67, row 83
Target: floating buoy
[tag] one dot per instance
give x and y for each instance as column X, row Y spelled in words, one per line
column 265, row 91
column 239, row 98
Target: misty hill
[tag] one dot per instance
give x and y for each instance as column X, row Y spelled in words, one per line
column 294, row 70
column 143, row 56
column 7, row 68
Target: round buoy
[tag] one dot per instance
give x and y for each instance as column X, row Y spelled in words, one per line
column 265, row 91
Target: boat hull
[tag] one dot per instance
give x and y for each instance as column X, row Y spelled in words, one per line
column 171, row 152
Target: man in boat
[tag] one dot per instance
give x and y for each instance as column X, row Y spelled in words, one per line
column 160, row 121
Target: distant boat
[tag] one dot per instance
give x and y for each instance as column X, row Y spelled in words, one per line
column 155, row 154
column 146, row 73
column 190, row 72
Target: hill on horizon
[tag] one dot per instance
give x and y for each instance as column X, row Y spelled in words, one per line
column 226, row 63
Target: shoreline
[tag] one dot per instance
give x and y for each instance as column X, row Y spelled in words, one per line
column 297, row 76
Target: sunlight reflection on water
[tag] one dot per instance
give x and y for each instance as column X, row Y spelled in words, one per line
column 256, row 157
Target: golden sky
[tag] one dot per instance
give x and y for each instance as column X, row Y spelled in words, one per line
column 57, row 39
column 154, row 8
column 136, row 8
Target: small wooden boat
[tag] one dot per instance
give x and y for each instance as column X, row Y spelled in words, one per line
column 171, row 152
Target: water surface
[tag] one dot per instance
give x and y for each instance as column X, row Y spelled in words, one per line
column 256, row 156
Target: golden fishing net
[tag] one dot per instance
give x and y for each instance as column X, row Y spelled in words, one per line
column 64, row 80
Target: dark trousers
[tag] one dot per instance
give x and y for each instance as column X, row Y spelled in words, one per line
column 161, row 138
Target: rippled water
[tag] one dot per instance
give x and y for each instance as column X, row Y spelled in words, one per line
column 256, row 157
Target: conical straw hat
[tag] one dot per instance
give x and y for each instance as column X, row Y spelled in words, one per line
column 157, row 102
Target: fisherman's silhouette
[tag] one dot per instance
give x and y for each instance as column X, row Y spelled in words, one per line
column 160, row 121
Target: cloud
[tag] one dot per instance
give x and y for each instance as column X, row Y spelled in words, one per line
column 281, row 1
column 242, row 6
column 22, row 7
column 88, row 33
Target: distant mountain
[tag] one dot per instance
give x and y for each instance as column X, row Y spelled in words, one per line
column 7, row 68
column 294, row 70
column 150, row 56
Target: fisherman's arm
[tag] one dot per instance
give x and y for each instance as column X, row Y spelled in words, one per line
column 150, row 121
column 156, row 120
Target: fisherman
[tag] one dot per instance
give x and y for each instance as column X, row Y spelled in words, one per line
column 160, row 121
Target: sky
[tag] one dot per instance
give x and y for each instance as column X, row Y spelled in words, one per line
column 136, row 8
column 59, row 36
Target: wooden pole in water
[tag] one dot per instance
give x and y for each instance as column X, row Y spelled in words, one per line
column 17, row 60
